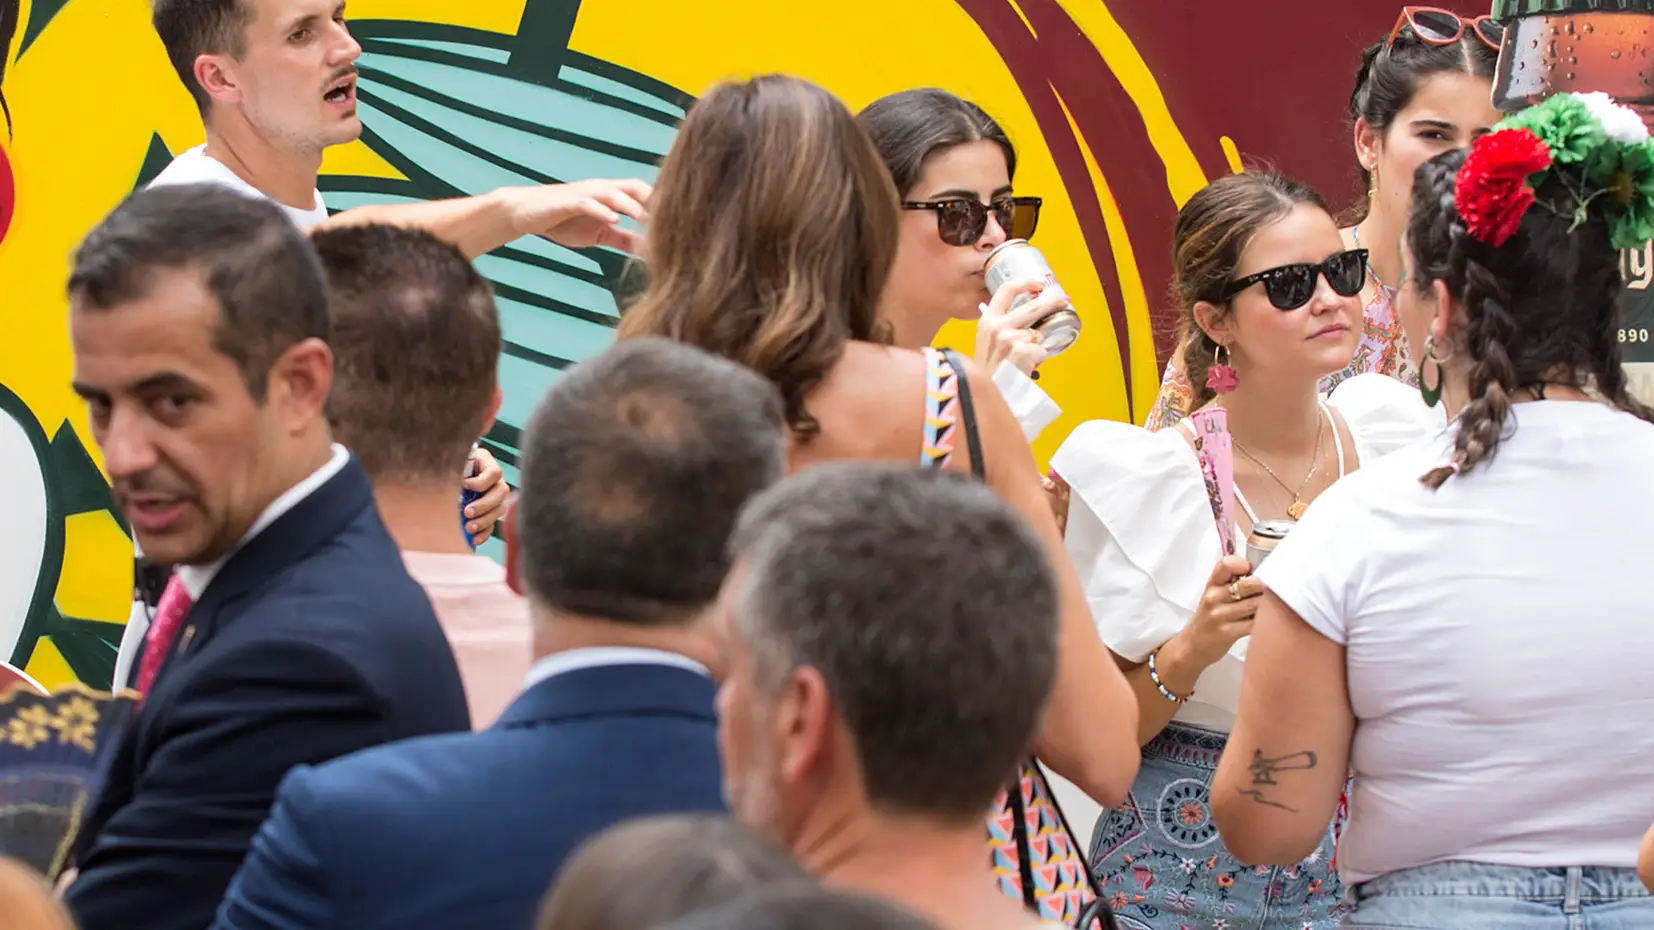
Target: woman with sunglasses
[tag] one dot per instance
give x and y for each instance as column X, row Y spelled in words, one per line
column 1465, row 623
column 953, row 167
column 1269, row 292
column 1424, row 90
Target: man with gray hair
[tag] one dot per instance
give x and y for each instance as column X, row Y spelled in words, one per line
column 891, row 639
column 635, row 467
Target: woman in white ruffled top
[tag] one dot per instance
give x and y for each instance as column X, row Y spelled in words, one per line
column 1270, row 298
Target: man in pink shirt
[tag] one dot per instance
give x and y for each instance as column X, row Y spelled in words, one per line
column 416, row 344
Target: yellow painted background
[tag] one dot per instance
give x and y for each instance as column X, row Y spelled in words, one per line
column 95, row 86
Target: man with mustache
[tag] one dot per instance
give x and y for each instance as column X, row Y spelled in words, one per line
column 290, row 633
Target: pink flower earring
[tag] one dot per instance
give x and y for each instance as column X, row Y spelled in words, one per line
column 1221, row 377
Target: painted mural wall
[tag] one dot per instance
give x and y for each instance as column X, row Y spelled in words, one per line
column 1121, row 110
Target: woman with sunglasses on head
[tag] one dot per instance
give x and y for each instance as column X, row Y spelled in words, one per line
column 773, row 230
column 1465, row 624
column 1424, row 90
column 953, row 167
column 1269, row 295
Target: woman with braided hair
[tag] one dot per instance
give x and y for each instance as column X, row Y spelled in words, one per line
column 1464, row 623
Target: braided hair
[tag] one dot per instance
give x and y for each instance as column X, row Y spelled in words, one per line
column 1543, row 307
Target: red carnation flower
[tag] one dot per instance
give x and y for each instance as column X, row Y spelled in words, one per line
column 1491, row 190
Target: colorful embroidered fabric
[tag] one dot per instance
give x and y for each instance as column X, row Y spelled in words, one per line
column 1059, row 871
column 1383, row 348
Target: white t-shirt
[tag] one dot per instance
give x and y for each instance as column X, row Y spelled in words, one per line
column 195, row 166
column 1500, row 648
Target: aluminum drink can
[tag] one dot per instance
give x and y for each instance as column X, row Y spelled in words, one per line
column 1015, row 260
column 1266, row 535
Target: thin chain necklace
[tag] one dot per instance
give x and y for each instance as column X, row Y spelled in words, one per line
column 1297, row 507
column 1355, row 233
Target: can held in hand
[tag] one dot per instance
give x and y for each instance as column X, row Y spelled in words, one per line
column 1016, row 260
column 467, row 497
column 1266, row 535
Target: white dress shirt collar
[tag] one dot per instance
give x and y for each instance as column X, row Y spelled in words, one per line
column 559, row 663
column 195, row 578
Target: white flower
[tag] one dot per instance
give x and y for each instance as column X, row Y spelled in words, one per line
column 1622, row 124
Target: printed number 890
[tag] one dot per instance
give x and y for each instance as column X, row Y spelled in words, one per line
column 1634, row 335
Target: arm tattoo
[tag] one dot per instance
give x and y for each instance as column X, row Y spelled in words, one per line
column 1257, row 795
column 1264, row 770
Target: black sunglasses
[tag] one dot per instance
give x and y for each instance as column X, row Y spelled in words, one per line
column 960, row 221
column 1291, row 286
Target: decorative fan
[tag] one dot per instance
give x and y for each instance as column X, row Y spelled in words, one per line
column 54, row 750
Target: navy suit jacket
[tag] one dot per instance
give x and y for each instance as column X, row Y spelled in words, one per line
column 468, row 831
column 309, row 643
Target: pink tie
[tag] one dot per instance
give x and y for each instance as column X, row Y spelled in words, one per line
column 169, row 616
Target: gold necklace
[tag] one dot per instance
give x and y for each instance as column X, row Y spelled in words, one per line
column 1297, row 507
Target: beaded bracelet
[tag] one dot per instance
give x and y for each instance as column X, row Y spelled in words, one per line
column 1154, row 676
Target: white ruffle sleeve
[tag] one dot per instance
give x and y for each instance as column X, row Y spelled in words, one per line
column 1384, row 414
column 1140, row 531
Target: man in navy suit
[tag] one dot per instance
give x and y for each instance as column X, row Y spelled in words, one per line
column 291, row 632
column 635, row 467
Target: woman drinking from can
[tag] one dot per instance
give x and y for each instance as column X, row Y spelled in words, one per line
column 1269, row 294
column 953, row 167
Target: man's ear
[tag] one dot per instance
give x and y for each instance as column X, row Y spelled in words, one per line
column 217, row 77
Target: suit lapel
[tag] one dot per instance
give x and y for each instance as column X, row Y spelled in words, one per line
column 289, row 539
column 614, row 691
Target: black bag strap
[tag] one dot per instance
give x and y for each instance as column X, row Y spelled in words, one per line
column 1097, row 915
column 967, row 414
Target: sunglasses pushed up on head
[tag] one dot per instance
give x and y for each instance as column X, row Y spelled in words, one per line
column 1291, row 286
column 1435, row 26
column 962, row 221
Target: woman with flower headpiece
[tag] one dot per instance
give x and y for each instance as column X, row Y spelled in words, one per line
column 1464, row 623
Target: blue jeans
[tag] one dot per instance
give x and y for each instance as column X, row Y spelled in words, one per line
column 1477, row 896
column 1161, row 865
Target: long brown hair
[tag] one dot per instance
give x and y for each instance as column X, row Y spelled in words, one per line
column 1213, row 230
column 772, row 232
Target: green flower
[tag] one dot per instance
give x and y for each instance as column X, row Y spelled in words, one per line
column 1566, row 126
column 1628, row 203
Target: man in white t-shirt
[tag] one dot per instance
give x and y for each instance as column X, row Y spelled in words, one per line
column 276, row 84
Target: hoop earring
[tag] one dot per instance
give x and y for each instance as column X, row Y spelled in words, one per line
column 1221, row 377
column 1432, row 394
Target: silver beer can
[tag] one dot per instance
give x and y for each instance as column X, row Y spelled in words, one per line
column 1016, row 260
column 1266, row 535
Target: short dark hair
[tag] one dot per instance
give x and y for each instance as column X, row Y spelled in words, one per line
column 635, row 467
column 416, row 346
column 929, row 607
column 252, row 259
column 693, row 862
column 909, row 126
column 192, row 28
column 804, row 906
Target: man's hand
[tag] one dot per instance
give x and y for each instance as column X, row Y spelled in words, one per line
column 485, row 511
column 580, row 214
